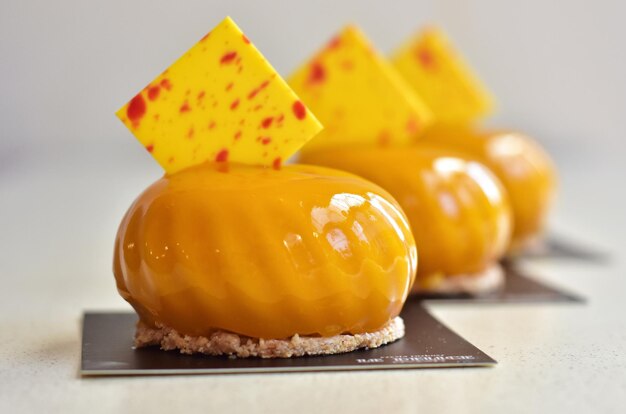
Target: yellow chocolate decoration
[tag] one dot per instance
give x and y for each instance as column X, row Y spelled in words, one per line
column 220, row 101
column 358, row 95
column 429, row 63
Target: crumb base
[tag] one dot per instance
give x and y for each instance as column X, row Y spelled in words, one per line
column 475, row 284
column 534, row 243
column 234, row 345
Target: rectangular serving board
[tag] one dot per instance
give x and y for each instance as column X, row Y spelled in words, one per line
column 107, row 349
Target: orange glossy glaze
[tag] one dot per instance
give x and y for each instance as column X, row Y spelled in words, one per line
column 459, row 214
column 522, row 166
column 265, row 253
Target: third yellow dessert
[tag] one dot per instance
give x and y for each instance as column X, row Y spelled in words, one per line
column 438, row 74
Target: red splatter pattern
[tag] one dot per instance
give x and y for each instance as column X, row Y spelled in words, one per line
column 299, row 110
column 334, row 43
column 166, row 84
column 185, row 107
column 153, row 92
column 222, row 156
column 277, row 163
column 317, row 73
column 245, row 39
column 228, row 58
column 412, row 126
column 256, row 91
column 267, row 122
column 234, row 104
column 136, row 109
column 150, row 148
column 426, row 58
column 229, row 86
column 237, row 135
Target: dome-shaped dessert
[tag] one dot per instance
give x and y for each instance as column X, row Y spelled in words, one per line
column 265, row 253
column 457, row 209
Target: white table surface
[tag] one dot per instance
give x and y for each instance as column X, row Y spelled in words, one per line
column 58, row 217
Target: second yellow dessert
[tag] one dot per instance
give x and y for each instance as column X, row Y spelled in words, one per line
column 459, row 213
column 457, row 209
column 522, row 166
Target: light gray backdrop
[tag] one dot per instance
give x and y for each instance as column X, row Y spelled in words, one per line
column 557, row 67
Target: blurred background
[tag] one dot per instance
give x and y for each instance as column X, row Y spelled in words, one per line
column 69, row 168
column 557, row 68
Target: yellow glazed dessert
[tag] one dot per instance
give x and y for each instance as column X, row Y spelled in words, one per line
column 265, row 253
column 459, row 215
column 522, row 166
column 458, row 212
column 439, row 75
column 232, row 253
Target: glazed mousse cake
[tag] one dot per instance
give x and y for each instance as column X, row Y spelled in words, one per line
column 233, row 253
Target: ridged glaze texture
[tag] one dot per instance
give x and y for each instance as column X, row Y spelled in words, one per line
column 457, row 209
column 524, row 168
column 265, row 253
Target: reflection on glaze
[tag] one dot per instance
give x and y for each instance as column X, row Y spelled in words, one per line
column 335, row 212
column 265, row 253
column 389, row 211
column 506, row 145
column 459, row 214
column 448, row 166
column 485, row 180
